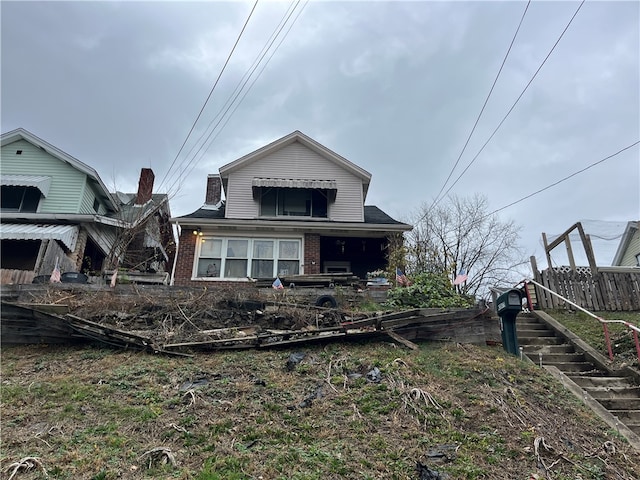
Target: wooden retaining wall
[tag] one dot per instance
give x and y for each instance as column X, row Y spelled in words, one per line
column 610, row 289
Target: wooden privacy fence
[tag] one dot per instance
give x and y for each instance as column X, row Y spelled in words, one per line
column 610, row 288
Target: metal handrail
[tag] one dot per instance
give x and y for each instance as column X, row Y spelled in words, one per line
column 602, row 321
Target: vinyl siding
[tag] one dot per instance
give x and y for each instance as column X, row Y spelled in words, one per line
column 297, row 162
column 68, row 185
column 633, row 249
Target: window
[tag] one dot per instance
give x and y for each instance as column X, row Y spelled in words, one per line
column 638, row 260
column 243, row 257
column 19, row 199
column 293, row 202
column 96, row 205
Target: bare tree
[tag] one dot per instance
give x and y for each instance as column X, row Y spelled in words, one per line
column 458, row 234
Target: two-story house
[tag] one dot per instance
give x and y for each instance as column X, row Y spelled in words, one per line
column 292, row 207
column 56, row 208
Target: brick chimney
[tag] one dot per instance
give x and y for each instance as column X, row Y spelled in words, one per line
column 214, row 189
column 145, row 186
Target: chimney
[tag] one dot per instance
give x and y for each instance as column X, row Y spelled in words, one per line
column 214, row 189
column 145, row 186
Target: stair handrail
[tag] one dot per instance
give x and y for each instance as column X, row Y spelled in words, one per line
column 635, row 330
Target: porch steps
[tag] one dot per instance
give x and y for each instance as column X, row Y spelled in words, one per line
column 546, row 343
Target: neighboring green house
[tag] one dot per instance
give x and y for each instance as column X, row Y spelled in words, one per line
column 57, row 209
column 628, row 253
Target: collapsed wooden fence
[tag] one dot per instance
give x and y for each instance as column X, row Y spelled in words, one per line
column 609, row 289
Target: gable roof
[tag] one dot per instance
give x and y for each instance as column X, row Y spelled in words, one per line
column 308, row 142
column 628, row 234
column 22, row 134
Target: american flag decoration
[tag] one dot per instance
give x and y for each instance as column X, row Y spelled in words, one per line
column 277, row 284
column 114, row 277
column 55, row 275
column 461, row 278
column 401, row 278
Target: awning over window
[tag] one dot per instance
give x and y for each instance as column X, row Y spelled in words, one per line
column 295, row 183
column 41, row 182
column 67, row 234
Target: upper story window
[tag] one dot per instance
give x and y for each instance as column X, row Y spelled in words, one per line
column 293, row 202
column 19, row 199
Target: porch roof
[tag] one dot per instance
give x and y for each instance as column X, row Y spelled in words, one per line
column 67, row 234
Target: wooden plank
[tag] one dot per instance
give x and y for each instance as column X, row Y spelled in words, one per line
column 398, row 338
column 588, row 249
column 547, row 250
column 572, row 262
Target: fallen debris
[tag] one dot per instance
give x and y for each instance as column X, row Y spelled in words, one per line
column 26, row 464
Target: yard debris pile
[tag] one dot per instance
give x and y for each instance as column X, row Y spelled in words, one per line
column 176, row 321
column 191, row 317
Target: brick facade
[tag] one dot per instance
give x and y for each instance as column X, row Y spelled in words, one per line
column 184, row 260
column 311, row 253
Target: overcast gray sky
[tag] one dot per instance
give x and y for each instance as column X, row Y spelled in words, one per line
column 394, row 87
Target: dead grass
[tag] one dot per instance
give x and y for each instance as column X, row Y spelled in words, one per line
column 90, row 413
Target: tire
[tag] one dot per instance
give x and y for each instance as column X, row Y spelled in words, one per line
column 326, row 301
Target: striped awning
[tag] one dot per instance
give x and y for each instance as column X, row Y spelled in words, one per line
column 67, row 234
column 41, row 182
column 295, row 183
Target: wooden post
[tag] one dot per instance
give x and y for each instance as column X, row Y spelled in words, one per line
column 546, row 250
column 572, row 262
column 588, row 249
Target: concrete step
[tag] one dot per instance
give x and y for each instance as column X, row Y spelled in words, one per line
column 603, row 393
column 546, row 349
column 530, row 326
column 522, row 333
column 571, row 367
column 626, row 416
column 601, row 380
column 621, row 404
column 539, row 341
column 559, row 357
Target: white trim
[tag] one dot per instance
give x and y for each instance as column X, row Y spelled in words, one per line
column 249, row 258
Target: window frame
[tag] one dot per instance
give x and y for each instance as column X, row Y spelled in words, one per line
column 250, row 257
column 279, row 207
column 25, row 191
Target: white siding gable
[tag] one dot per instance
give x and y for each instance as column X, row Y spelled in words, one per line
column 295, row 161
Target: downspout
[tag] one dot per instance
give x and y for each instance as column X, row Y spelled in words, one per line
column 175, row 258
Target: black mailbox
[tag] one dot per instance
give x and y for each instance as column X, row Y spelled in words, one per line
column 509, row 304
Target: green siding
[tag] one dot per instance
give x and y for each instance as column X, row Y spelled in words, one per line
column 633, row 249
column 68, row 185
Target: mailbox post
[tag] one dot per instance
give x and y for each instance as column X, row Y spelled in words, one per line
column 509, row 304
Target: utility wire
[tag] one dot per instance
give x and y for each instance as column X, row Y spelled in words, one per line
column 561, row 180
column 211, row 91
column 197, row 144
column 517, row 100
column 504, row 60
column 200, row 150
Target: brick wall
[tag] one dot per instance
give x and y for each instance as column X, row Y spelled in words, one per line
column 311, row 253
column 184, row 260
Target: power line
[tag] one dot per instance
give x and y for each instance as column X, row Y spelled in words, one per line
column 517, row 100
column 252, row 70
column 246, row 76
column 211, row 91
column 504, row 60
column 561, row 180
